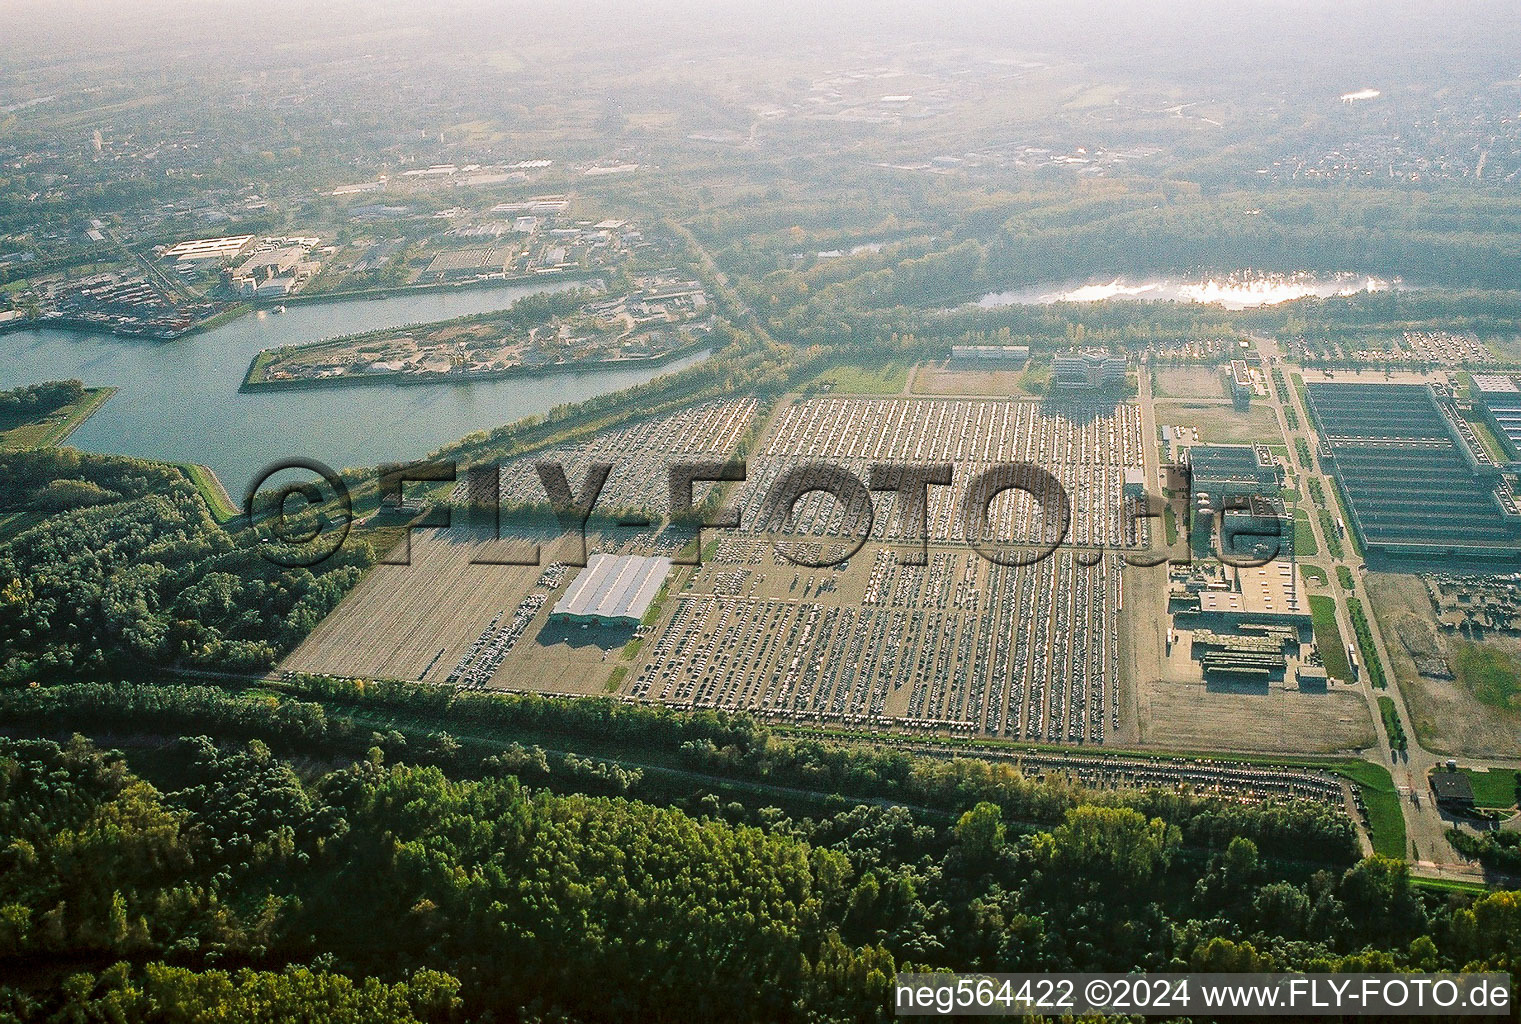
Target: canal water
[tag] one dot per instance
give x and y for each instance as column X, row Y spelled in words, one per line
column 179, row 400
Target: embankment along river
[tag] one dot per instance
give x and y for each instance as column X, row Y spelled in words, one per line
column 179, row 401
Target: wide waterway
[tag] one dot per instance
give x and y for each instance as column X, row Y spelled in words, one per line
column 179, row 400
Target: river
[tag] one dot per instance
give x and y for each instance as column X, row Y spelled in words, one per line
column 179, row 400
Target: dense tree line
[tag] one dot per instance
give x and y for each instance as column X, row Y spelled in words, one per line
column 128, row 567
column 857, row 315
column 235, row 878
column 963, row 242
column 162, row 994
column 715, row 743
column 35, row 401
column 727, row 743
column 929, row 255
column 1498, row 850
column 34, row 480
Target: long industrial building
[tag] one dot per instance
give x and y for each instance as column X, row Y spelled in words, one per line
column 613, row 590
column 1414, row 481
column 1498, row 398
column 1230, row 470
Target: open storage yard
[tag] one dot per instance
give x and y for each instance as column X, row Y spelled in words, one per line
column 450, row 616
column 1182, row 711
column 1186, row 382
column 1220, row 422
column 947, row 378
column 1087, row 447
column 418, row 621
column 1454, row 707
column 640, row 454
column 959, row 646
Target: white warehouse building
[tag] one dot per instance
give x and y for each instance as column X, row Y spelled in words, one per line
column 613, row 590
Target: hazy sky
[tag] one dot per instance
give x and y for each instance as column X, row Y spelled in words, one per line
column 1239, row 27
column 1287, row 46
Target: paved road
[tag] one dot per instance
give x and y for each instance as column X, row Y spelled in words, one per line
column 1425, row 826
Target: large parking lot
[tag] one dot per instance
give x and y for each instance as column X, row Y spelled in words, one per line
column 640, row 454
column 961, row 646
column 1085, row 447
column 958, row 646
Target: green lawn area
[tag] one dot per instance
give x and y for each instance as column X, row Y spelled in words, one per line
column 1449, row 885
column 1328, row 528
column 1328, row 637
column 887, row 379
column 1342, row 510
column 1386, row 820
column 1488, row 439
column 14, row 523
column 259, row 366
column 1344, row 577
column 1491, row 675
column 28, row 435
column 1304, row 535
column 652, row 613
column 1493, row 788
column 1314, row 573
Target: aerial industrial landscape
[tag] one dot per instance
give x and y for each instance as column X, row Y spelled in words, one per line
column 633, row 524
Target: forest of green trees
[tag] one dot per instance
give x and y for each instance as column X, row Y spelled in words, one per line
column 34, row 401
column 127, row 567
column 907, row 262
column 1498, row 850
column 219, row 875
column 939, row 241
